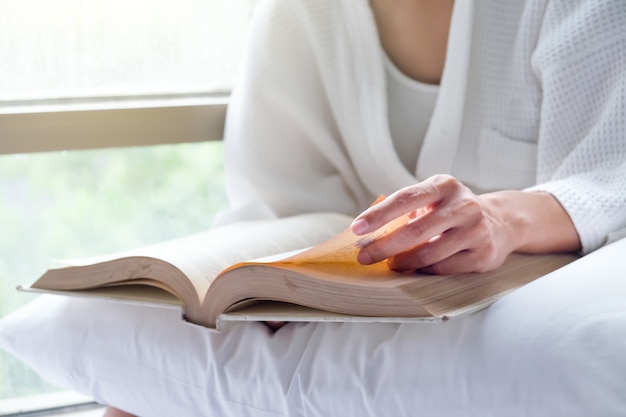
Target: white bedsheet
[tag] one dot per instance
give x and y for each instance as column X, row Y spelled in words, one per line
column 556, row 347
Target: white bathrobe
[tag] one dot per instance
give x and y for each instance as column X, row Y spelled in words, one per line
column 533, row 95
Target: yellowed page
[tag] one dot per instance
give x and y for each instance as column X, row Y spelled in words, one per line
column 344, row 247
column 201, row 257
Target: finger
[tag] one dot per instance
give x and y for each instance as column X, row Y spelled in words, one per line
column 404, row 201
column 413, row 234
column 464, row 262
column 435, row 250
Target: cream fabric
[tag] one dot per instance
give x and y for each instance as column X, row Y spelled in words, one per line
column 410, row 106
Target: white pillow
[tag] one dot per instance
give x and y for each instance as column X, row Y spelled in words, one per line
column 556, row 347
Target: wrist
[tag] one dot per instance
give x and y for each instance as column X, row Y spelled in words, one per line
column 534, row 222
column 507, row 211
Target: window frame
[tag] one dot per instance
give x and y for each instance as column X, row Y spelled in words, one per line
column 55, row 403
column 55, row 125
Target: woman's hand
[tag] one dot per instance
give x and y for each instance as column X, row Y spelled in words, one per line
column 452, row 230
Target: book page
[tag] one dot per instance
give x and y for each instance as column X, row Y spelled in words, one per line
column 344, row 247
column 203, row 256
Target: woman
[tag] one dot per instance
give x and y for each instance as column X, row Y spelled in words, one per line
column 499, row 125
column 507, row 117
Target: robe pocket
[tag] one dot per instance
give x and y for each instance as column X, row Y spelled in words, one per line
column 506, row 163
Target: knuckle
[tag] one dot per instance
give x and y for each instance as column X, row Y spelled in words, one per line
column 375, row 252
column 417, row 257
column 451, row 182
column 468, row 208
column 485, row 260
column 405, row 196
column 437, row 269
column 471, row 205
column 423, row 257
column 442, row 178
column 446, row 182
column 416, row 231
column 482, row 234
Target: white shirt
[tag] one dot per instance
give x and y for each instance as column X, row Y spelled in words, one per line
column 410, row 107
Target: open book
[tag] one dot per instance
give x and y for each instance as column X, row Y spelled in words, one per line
column 257, row 270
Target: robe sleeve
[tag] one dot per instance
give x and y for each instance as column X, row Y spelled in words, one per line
column 581, row 63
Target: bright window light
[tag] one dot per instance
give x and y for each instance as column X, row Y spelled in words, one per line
column 84, row 48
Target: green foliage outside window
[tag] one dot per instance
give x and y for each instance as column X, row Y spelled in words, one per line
column 85, row 203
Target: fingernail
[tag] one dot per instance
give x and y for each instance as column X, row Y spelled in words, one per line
column 359, row 227
column 364, row 258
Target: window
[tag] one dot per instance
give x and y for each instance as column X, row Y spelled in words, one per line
column 116, row 48
column 82, row 203
column 68, row 67
column 80, row 75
